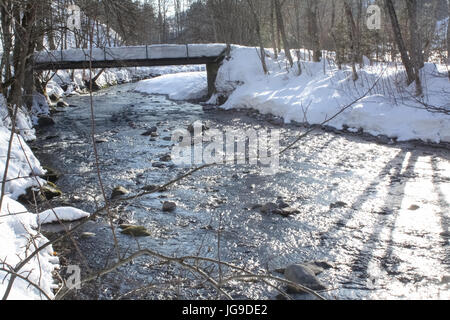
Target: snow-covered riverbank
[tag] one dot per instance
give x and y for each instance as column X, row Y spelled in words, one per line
column 321, row 91
column 68, row 82
column 18, row 227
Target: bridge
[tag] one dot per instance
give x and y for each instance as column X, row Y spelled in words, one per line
column 137, row 56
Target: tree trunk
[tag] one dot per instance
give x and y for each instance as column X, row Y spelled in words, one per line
column 352, row 34
column 415, row 39
column 314, row 30
column 448, row 38
column 23, row 47
column 6, row 23
column 400, row 42
column 273, row 30
column 280, row 22
column 415, row 43
column 258, row 34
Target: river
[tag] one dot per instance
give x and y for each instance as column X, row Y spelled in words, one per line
column 377, row 213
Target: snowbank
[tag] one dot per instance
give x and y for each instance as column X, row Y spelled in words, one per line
column 18, row 239
column 76, row 80
column 180, row 86
column 19, row 235
column 62, row 214
column 322, row 90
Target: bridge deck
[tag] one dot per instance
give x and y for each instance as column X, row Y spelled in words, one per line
column 154, row 55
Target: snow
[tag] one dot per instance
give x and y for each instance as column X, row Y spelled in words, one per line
column 19, row 228
column 61, row 214
column 179, row 86
column 166, row 51
column 19, row 235
column 18, row 239
column 315, row 95
column 21, row 161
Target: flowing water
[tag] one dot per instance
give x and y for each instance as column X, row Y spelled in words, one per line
column 387, row 237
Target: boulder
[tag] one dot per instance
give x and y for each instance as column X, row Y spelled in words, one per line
column 87, row 235
column 62, row 104
column 269, row 208
column 150, row 131
column 339, row 204
column 286, row 212
column 118, row 192
column 159, row 165
column 191, row 128
column 304, row 276
column 50, row 191
column 166, row 158
column 135, row 231
column 169, row 206
column 45, row 121
column 280, row 208
column 51, row 175
column 317, row 266
column 101, row 140
column 32, row 194
column 54, row 97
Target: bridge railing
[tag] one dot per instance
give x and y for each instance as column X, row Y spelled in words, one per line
column 151, row 52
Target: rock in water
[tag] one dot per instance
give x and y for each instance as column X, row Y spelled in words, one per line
column 62, row 104
column 169, row 206
column 150, row 188
column 339, row 204
column 54, row 97
column 119, row 191
column 159, row 165
column 135, row 231
column 304, row 276
column 150, row 131
column 101, row 140
column 166, row 158
column 31, row 196
column 51, row 175
column 45, row 121
column 87, row 235
column 191, row 128
column 50, row 191
column 269, row 208
column 317, row 266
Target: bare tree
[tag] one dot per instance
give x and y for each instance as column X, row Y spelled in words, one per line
column 448, row 37
column 280, row 22
column 313, row 29
column 415, row 43
column 352, row 34
column 258, row 32
column 400, row 42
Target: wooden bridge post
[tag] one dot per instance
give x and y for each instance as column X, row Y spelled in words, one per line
column 212, row 69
